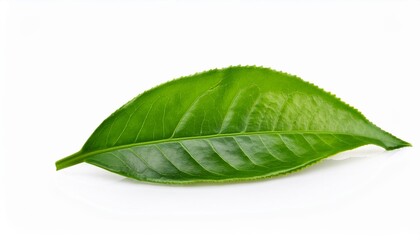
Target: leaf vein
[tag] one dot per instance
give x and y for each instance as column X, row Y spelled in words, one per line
column 268, row 149
column 287, row 146
column 249, row 158
column 215, row 151
column 145, row 162
column 189, row 109
column 167, row 159
column 144, row 121
column 205, row 169
column 250, row 112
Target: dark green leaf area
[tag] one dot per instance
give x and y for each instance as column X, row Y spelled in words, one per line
column 223, row 158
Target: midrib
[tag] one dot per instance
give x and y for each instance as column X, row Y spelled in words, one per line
column 177, row 139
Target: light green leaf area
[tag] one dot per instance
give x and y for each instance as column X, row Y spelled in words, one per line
column 232, row 124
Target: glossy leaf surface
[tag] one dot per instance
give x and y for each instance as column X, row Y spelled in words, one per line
column 231, row 124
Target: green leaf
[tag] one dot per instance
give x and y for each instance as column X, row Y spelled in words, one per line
column 237, row 123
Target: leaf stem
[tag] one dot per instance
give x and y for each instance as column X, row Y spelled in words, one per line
column 69, row 161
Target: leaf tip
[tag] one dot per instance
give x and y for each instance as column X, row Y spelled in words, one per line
column 402, row 144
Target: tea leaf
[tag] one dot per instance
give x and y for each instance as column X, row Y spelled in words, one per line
column 237, row 123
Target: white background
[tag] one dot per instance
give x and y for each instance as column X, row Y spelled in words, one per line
column 65, row 66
